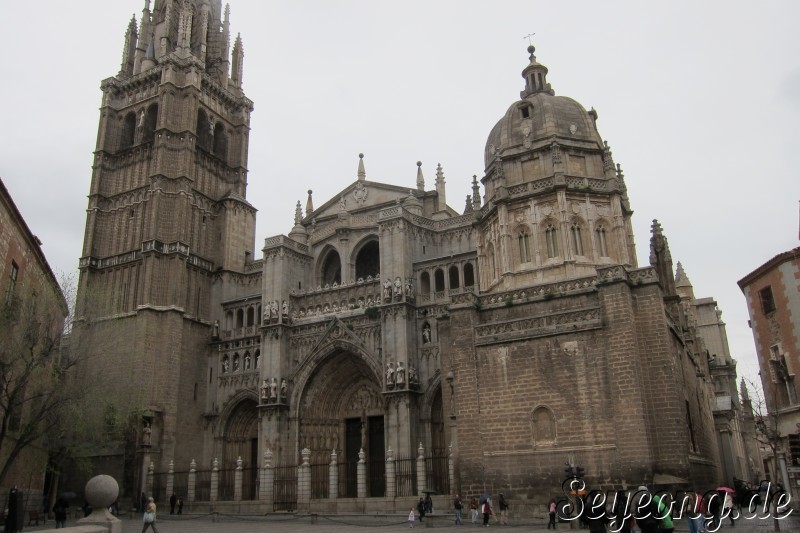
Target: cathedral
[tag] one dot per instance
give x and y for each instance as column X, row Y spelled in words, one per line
column 496, row 342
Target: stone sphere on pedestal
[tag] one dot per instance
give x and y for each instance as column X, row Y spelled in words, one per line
column 102, row 491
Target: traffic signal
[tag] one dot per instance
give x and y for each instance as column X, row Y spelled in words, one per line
column 579, row 472
column 569, row 471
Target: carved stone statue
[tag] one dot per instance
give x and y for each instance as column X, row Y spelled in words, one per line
column 264, row 390
column 273, row 389
column 389, row 375
column 215, row 330
column 387, row 290
column 236, row 362
column 225, row 365
column 284, row 389
column 413, row 377
column 273, row 310
column 409, row 288
column 426, row 334
column 147, row 434
column 247, row 361
column 398, row 287
column 285, row 310
column 400, row 375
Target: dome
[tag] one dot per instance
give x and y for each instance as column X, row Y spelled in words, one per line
column 540, row 116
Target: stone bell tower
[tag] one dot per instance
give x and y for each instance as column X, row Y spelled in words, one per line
column 167, row 221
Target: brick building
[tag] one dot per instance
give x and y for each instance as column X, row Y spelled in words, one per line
column 33, row 311
column 504, row 338
column 772, row 292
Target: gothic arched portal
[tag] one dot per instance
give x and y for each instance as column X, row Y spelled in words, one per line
column 341, row 408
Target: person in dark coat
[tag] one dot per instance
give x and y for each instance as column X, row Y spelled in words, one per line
column 14, row 517
column 60, row 510
column 142, row 502
column 173, row 500
column 595, row 516
column 180, row 505
column 421, row 508
column 503, row 509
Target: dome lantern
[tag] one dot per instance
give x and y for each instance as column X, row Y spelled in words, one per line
column 535, row 75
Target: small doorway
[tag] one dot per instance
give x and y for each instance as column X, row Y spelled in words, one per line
column 366, row 433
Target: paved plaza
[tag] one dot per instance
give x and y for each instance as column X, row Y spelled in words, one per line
column 291, row 523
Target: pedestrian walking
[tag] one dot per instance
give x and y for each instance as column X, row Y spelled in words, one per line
column 487, row 512
column 411, row 518
column 503, row 510
column 457, row 505
column 180, row 505
column 664, row 517
column 149, row 517
column 551, row 509
column 428, row 504
column 173, row 501
column 645, row 511
column 421, row 508
column 473, row 507
column 60, row 510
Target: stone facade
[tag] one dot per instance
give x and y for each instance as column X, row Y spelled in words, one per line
column 772, row 292
column 514, row 334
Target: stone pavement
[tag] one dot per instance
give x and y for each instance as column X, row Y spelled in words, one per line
column 292, row 523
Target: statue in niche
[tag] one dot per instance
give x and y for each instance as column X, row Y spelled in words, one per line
column 225, row 365
column 215, row 330
column 258, row 356
column 389, row 375
column 398, row 287
column 370, row 301
column 387, row 290
column 147, row 434
column 264, row 390
column 284, row 389
column 409, row 288
column 247, row 361
column 273, row 310
column 285, row 310
column 141, row 118
column 400, row 375
column 236, row 362
column 273, row 390
column 426, row 333
column 413, row 377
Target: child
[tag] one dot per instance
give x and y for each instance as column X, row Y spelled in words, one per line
column 411, row 518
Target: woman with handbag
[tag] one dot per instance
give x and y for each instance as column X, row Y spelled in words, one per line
column 150, row 516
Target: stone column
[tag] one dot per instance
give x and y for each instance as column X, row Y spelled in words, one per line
column 150, row 471
column 391, row 480
column 304, row 481
column 170, row 478
column 215, row 480
column 333, row 477
column 451, row 469
column 361, row 474
column 422, row 484
column 267, row 492
column 237, row 481
column 192, row 486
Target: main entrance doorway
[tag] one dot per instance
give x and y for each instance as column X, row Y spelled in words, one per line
column 342, row 410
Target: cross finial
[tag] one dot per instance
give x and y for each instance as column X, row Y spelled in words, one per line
column 529, row 36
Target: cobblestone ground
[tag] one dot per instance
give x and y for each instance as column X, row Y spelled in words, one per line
column 291, row 523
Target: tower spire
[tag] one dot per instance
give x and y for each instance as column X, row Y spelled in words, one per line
column 309, row 204
column 442, row 200
column 420, row 177
column 129, row 49
column 476, row 193
column 237, row 62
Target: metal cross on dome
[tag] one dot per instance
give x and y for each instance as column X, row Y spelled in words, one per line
column 529, row 38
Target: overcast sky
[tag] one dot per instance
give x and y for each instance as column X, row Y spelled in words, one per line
column 700, row 102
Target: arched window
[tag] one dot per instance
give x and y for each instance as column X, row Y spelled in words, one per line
column 438, row 280
column 331, row 271
column 551, row 237
column 239, row 318
column 128, row 132
column 424, row 283
column 368, row 260
column 229, row 320
column 251, row 318
column 220, row 142
column 203, row 130
column 454, row 282
column 150, row 123
column 543, row 424
column 601, row 241
column 469, row 275
column 524, row 241
column 575, row 237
